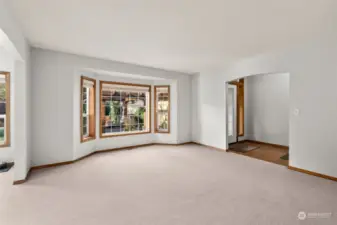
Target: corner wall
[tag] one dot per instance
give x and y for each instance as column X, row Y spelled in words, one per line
column 267, row 108
column 20, row 50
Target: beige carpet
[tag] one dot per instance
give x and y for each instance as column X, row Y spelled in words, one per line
column 165, row 185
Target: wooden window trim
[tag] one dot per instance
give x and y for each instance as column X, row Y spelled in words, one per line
column 92, row 111
column 8, row 110
column 155, row 109
column 100, row 109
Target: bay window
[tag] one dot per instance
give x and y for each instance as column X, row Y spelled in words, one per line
column 162, row 109
column 124, row 109
column 88, row 105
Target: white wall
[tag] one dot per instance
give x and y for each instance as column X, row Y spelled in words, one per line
column 55, row 104
column 9, row 25
column 209, row 126
column 313, row 91
column 20, row 50
column 267, row 108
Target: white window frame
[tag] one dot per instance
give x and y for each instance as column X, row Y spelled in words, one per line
column 86, row 115
column 88, row 92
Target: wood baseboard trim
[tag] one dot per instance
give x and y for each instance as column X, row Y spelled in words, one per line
column 51, row 165
column 184, row 143
column 17, row 182
column 266, row 143
column 312, row 173
column 86, row 156
column 122, row 148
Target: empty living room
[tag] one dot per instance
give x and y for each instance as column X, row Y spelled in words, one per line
column 168, row 112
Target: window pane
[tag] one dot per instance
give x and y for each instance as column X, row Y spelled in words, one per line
column 116, row 94
column 134, row 127
column 163, row 121
column 141, row 127
column 112, row 109
column 85, row 109
column 2, row 130
column 124, row 95
column 2, row 92
column 163, row 105
column 88, row 108
column 162, row 108
column 85, row 131
column 106, row 95
column 85, row 121
column 106, row 129
column 124, row 111
column 2, row 108
column 133, row 94
column 2, row 98
column 125, row 128
column 140, row 114
column 142, row 102
column 115, row 128
column 85, row 97
column 142, row 95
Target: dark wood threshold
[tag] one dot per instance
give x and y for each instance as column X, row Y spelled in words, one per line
column 290, row 167
column 266, row 143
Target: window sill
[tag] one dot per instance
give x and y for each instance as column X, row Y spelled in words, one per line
column 162, row 132
column 124, row 134
column 86, row 139
column 5, row 145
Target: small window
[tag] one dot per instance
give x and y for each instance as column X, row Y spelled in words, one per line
column 4, row 109
column 162, row 109
column 88, row 105
column 125, row 109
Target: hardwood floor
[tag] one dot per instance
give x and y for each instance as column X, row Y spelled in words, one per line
column 267, row 153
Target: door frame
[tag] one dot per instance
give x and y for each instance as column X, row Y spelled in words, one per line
column 228, row 85
column 240, row 101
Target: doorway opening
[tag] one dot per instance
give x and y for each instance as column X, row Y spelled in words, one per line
column 257, row 109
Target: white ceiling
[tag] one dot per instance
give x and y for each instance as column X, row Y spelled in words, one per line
column 181, row 35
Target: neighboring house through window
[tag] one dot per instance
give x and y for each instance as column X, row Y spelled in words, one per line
column 124, row 109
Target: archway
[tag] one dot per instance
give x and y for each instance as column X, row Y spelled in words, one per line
column 258, row 115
